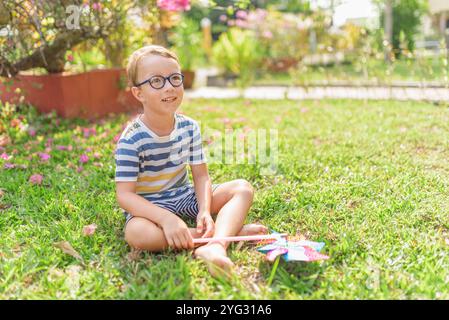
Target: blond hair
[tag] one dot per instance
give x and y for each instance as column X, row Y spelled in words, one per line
column 135, row 57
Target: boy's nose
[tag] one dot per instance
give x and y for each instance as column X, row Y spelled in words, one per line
column 168, row 85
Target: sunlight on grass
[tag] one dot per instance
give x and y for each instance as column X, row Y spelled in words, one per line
column 370, row 179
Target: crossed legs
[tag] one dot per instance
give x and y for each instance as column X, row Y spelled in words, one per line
column 231, row 201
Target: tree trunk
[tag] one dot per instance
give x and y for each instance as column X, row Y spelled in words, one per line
column 388, row 28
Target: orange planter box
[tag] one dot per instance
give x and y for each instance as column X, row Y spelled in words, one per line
column 86, row 95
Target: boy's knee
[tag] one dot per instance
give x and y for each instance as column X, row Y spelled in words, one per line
column 133, row 234
column 136, row 235
column 244, row 188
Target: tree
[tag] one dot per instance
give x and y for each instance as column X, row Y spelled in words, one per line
column 38, row 33
column 406, row 19
column 388, row 28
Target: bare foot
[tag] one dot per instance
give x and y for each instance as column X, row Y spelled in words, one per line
column 253, row 229
column 214, row 254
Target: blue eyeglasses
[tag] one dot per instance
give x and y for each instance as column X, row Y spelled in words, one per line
column 158, row 82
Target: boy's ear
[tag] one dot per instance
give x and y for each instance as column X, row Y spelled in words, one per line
column 137, row 93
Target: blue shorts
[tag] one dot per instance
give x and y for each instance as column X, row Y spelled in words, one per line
column 180, row 201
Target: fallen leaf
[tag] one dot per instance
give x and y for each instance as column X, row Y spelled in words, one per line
column 4, row 140
column 54, row 273
column 352, row 204
column 68, row 249
column 134, row 255
column 4, row 206
column 89, row 230
column 2, row 192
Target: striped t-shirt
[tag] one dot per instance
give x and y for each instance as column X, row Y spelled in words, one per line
column 158, row 163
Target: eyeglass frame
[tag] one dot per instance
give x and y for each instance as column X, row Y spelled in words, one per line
column 165, row 81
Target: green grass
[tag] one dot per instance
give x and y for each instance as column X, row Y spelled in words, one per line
column 376, row 71
column 370, row 179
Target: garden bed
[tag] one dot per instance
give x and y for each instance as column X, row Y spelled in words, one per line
column 89, row 95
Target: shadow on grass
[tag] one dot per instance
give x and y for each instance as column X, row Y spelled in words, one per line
column 301, row 278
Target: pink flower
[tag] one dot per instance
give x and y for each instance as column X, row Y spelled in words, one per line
column 87, row 132
column 89, row 149
column 241, row 23
column 5, row 156
column 49, row 142
column 117, row 138
column 90, row 229
column 84, row 158
column 261, row 13
column 97, row 155
column 15, row 123
column 79, row 169
column 223, row 18
column 32, row 132
column 44, row 156
column 61, row 148
column 70, row 58
column 174, row 5
column 241, row 14
column 36, row 179
column 267, row 34
column 96, row 6
column 226, row 120
column 9, row 165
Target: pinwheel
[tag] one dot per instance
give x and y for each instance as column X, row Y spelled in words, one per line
column 278, row 245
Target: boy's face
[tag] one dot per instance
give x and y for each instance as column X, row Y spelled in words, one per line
column 162, row 101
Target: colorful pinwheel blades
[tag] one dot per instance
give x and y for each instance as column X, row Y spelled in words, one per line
column 302, row 250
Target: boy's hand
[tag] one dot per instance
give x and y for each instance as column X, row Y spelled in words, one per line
column 177, row 233
column 205, row 223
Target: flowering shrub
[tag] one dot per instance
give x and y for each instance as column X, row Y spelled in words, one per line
column 174, row 5
column 281, row 35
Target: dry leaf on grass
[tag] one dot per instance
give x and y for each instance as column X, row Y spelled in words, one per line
column 4, row 140
column 4, row 206
column 68, row 249
column 134, row 255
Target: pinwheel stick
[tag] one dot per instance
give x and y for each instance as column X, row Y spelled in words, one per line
column 241, row 238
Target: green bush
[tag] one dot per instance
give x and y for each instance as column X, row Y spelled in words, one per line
column 187, row 44
column 238, row 53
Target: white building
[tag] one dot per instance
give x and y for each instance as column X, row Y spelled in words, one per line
column 439, row 10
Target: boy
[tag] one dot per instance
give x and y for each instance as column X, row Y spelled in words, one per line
column 151, row 177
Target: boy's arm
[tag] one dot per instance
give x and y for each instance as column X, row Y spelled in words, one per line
column 203, row 187
column 175, row 230
column 137, row 205
column 203, row 191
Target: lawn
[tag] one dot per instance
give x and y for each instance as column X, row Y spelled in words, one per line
column 376, row 72
column 370, row 179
